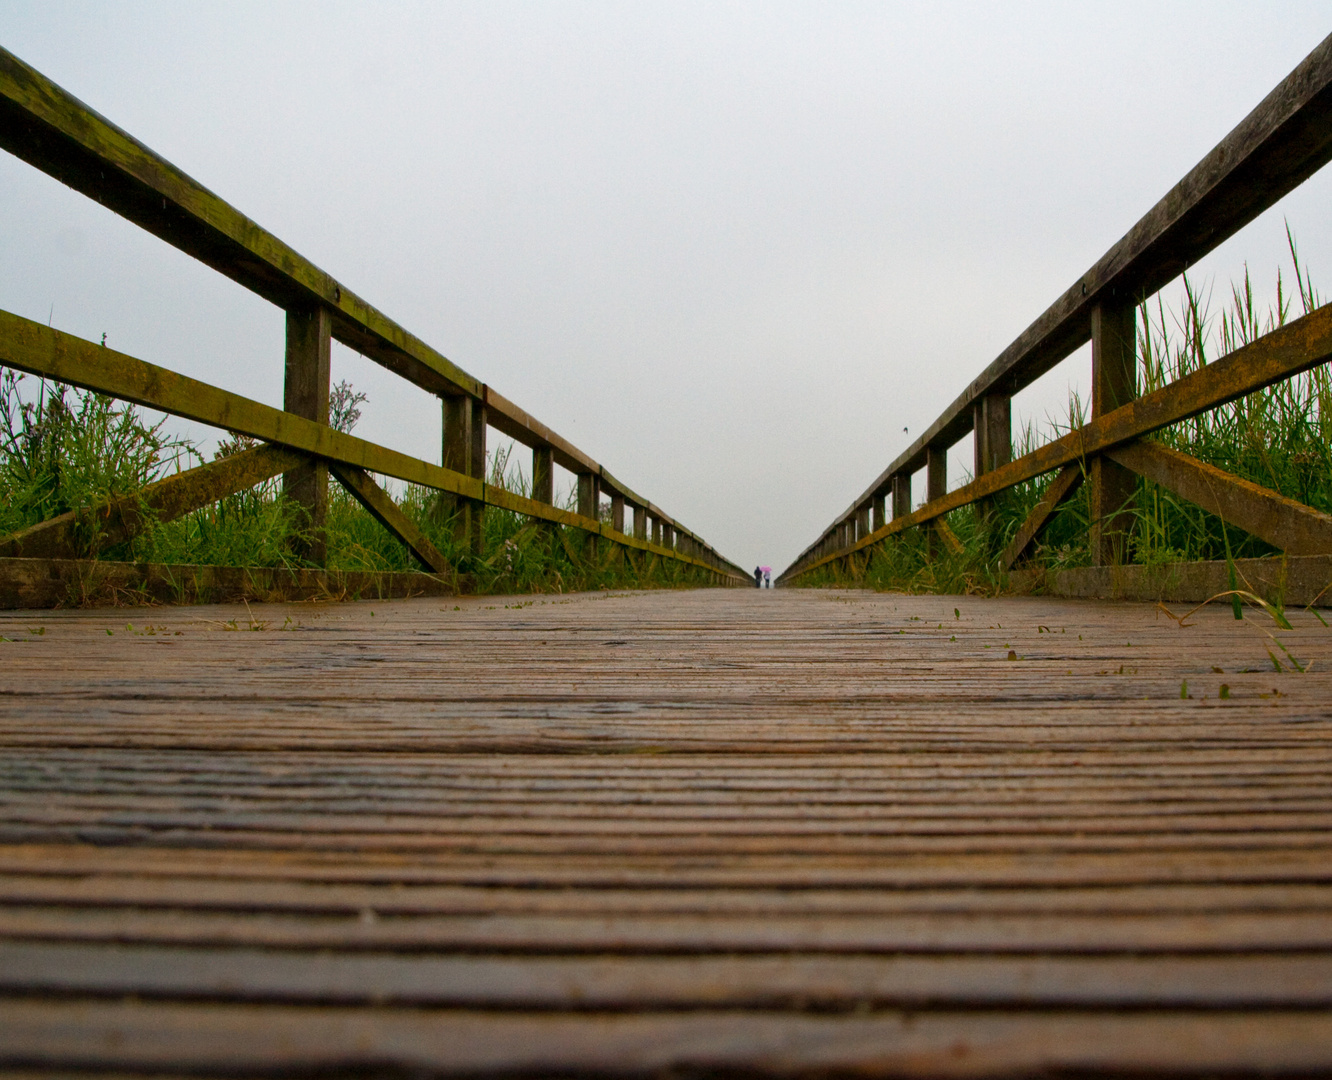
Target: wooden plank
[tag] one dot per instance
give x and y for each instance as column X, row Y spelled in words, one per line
column 614, row 813
column 1281, row 143
column 231, row 1039
column 58, row 583
column 787, row 982
column 1297, row 581
column 383, row 509
column 1068, row 480
column 1297, row 347
column 117, row 520
column 50, row 129
column 1284, row 523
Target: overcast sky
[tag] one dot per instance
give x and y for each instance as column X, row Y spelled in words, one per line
column 729, row 250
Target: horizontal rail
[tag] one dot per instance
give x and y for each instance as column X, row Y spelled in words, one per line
column 1294, row 348
column 40, row 350
column 1279, row 145
column 46, row 126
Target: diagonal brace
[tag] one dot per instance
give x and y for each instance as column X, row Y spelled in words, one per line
column 384, row 510
column 1068, row 480
column 1287, row 525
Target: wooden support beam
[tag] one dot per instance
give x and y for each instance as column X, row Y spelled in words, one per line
column 305, row 394
column 936, row 486
column 82, row 533
column 993, row 431
column 1114, row 385
column 1287, row 525
column 879, row 517
column 464, row 451
column 589, row 496
column 617, row 512
column 945, row 535
column 640, row 522
column 1061, row 487
column 543, row 475
column 862, row 521
column 901, row 495
column 384, row 510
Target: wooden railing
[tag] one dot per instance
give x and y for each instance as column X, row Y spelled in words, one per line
column 49, row 128
column 1279, row 145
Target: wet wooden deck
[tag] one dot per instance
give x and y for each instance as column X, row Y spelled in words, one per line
column 696, row 832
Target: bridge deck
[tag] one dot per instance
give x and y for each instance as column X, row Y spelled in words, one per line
column 702, row 831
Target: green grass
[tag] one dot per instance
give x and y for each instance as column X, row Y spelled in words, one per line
column 63, row 448
column 1280, row 438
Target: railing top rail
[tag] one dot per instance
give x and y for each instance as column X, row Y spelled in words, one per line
column 1275, row 148
column 46, row 126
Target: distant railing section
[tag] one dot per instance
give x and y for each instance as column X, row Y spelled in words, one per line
column 1279, row 145
column 47, row 127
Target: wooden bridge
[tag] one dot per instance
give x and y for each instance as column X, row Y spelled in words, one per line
column 693, row 832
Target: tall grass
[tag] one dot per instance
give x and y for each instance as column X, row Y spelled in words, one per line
column 63, row 448
column 1280, row 438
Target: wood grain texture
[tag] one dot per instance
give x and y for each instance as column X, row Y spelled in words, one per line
column 773, row 832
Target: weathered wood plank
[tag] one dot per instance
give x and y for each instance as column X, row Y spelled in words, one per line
column 636, row 828
column 152, row 1036
column 787, row 982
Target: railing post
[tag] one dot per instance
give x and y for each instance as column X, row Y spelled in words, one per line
column 543, row 475
column 589, row 504
column 305, row 393
column 862, row 521
column 617, row 511
column 901, row 495
column 1114, row 384
column 879, row 519
column 656, row 531
column 640, row 522
column 936, row 485
column 992, row 432
column 464, row 452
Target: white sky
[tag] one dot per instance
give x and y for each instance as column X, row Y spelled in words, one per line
column 730, row 250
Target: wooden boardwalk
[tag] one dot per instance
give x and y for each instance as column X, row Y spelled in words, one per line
column 719, row 831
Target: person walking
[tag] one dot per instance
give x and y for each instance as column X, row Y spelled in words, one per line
column 758, row 577
column 767, row 577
